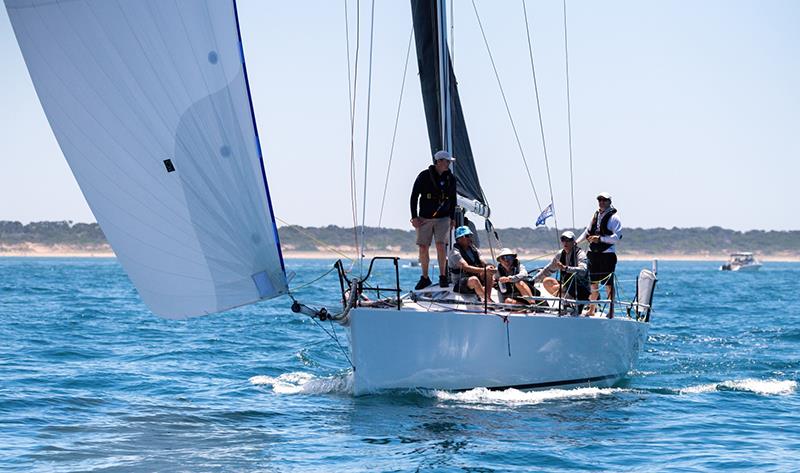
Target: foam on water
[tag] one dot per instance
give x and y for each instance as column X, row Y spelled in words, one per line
column 515, row 397
column 758, row 386
column 305, row 383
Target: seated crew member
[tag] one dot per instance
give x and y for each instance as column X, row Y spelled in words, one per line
column 511, row 277
column 470, row 273
column 571, row 263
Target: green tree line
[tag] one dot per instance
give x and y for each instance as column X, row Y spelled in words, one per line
column 714, row 240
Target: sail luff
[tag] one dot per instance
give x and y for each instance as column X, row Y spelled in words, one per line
column 257, row 138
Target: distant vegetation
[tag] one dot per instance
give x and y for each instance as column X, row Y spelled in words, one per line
column 51, row 233
column 714, row 240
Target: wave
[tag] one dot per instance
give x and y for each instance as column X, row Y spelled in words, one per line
column 306, row 383
column 757, row 386
column 515, row 397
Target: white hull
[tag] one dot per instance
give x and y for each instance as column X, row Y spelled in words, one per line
column 747, row 267
column 455, row 350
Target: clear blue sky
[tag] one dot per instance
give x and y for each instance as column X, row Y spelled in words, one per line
column 687, row 112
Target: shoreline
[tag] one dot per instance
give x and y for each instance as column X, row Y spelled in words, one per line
column 66, row 251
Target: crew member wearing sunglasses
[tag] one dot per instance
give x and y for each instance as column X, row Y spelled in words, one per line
column 511, row 277
column 573, row 279
column 603, row 233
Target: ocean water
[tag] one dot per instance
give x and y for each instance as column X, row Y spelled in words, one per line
column 92, row 381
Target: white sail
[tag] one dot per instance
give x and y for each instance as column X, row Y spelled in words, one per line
column 149, row 102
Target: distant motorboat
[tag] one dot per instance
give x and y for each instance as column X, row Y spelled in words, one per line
column 743, row 261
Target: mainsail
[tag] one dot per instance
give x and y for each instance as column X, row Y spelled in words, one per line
column 426, row 33
column 150, row 104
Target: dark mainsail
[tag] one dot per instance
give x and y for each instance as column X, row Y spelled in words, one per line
column 426, row 36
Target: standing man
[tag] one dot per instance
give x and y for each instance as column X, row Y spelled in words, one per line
column 435, row 192
column 603, row 233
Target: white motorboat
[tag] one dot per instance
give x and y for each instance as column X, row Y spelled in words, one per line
column 743, row 261
column 157, row 125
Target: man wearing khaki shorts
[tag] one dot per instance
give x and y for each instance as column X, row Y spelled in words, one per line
column 434, row 194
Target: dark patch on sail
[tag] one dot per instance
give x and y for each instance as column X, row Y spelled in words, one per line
column 168, row 164
column 426, row 37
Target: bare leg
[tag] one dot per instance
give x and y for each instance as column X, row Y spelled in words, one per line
column 593, row 297
column 424, row 259
column 489, row 283
column 475, row 284
column 523, row 289
column 441, row 254
column 552, row 286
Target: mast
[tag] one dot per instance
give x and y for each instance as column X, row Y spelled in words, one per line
column 447, row 129
column 445, row 119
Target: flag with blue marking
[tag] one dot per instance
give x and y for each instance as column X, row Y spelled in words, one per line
column 546, row 213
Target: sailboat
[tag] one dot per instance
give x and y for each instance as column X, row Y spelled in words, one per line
column 150, row 104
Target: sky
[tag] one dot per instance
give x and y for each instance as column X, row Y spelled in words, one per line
column 687, row 112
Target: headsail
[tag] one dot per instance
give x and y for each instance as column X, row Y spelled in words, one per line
column 425, row 34
column 150, row 104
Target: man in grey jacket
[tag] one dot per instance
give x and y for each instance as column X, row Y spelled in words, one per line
column 571, row 263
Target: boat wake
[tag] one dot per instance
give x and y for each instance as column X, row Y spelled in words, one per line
column 757, row 386
column 515, row 397
column 306, row 383
column 299, row 382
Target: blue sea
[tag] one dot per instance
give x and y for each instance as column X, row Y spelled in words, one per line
column 90, row 380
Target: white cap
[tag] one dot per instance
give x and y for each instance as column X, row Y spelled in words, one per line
column 442, row 154
column 604, row 195
column 568, row 234
column 506, row 252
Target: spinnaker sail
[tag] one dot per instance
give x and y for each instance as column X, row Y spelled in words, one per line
column 424, row 13
column 149, row 102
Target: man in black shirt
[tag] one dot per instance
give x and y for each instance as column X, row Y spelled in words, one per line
column 435, row 192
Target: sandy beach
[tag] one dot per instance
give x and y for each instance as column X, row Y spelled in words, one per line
column 104, row 251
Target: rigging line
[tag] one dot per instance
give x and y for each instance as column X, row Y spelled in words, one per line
column 569, row 118
column 539, row 112
column 334, row 338
column 366, row 138
column 312, row 282
column 508, row 109
column 396, row 122
column 452, row 34
column 297, row 229
column 341, row 348
column 352, row 90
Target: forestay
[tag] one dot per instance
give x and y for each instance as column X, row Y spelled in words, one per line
column 149, row 102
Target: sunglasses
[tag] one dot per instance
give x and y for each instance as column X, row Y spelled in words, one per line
column 566, row 239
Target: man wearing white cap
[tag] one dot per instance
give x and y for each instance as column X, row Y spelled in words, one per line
column 603, row 233
column 572, row 266
column 435, row 192
column 511, row 277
